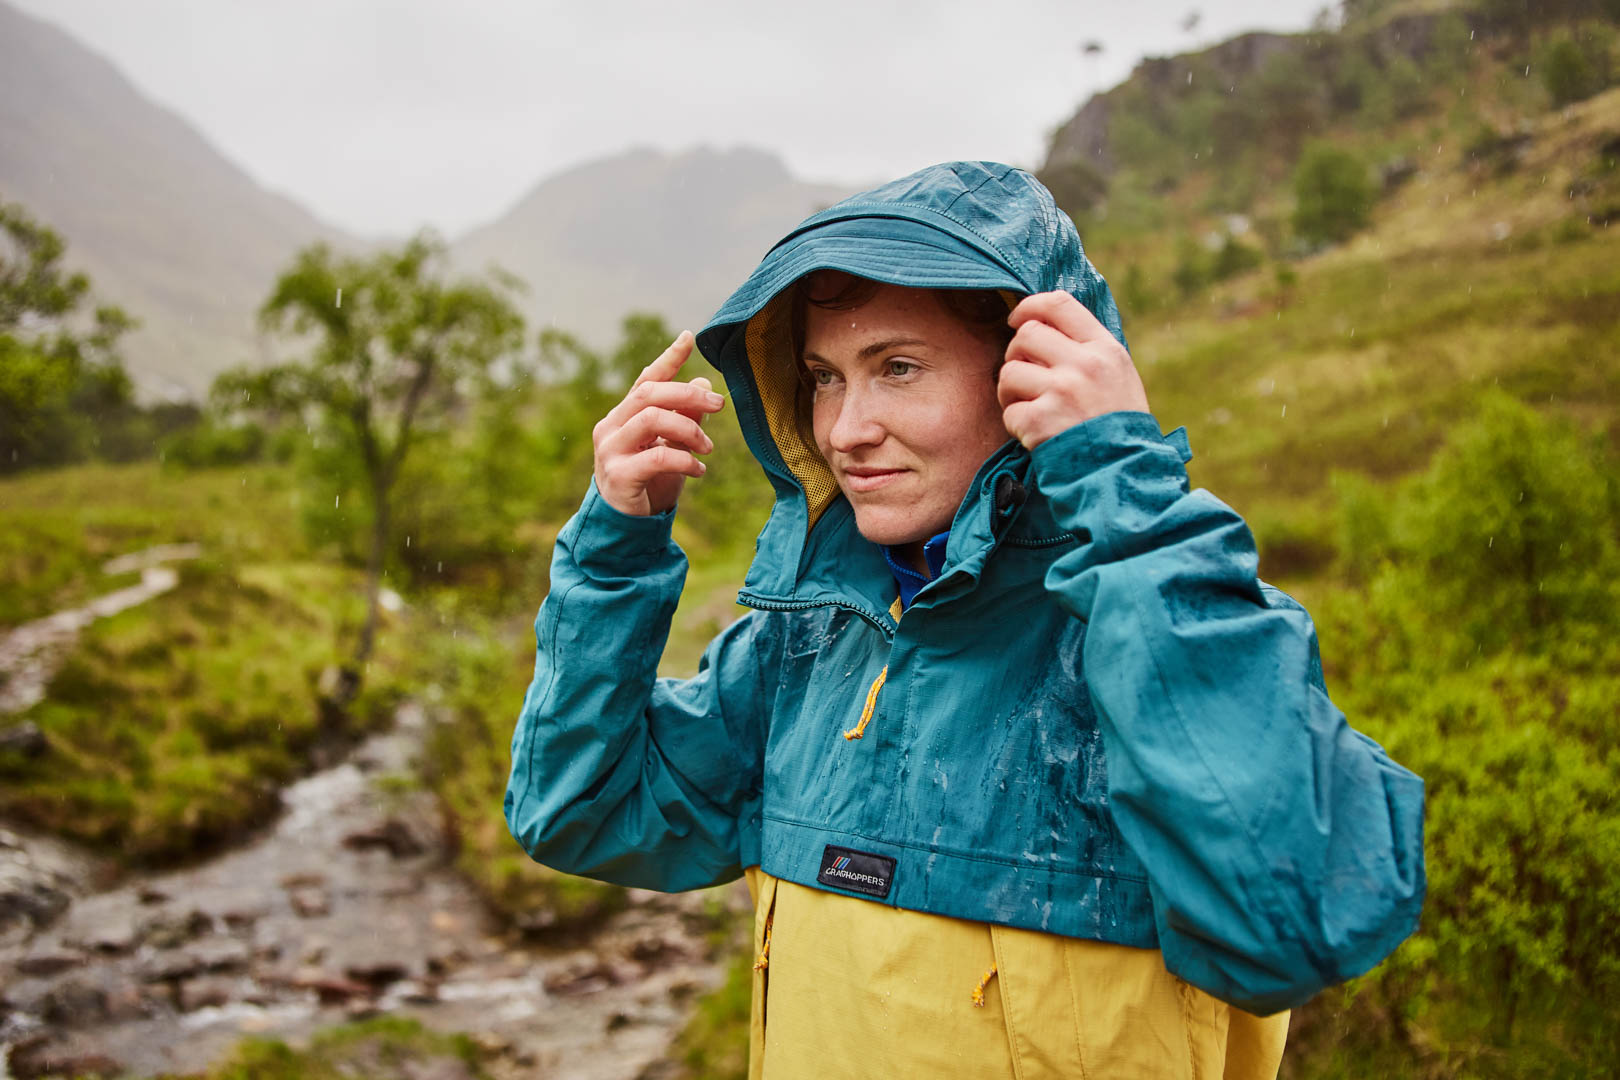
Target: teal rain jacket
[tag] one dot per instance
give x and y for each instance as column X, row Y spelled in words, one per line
column 1096, row 721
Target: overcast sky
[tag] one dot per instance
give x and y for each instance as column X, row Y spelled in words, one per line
column 384, row 115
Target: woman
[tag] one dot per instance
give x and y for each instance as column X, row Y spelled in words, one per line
column 1029, row 773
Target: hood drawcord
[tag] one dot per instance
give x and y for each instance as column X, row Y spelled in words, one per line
column 859, row 729
column 871, row 703
column 984, row 981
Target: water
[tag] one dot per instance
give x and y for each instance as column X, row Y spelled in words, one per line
column 308, row 926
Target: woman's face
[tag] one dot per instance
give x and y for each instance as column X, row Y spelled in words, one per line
column 904, row 409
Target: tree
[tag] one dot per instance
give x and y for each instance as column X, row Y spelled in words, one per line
column 58, row 379
column 394, row 349
column 1333, row 195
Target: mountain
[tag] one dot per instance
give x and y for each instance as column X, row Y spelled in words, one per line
column 185, row 241
column 164, row 225
column 644, row 230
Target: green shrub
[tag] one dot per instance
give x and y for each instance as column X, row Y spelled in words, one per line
column 1333, row 195
column 1575, row 66
column 1490, row 669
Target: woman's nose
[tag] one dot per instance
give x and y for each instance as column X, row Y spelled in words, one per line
column 857, row 423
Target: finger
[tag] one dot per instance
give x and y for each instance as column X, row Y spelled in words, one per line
column 642, row 468
column 1038, row 342
column 688, row 398
column 648, row 426
column 1018, row 417
column 1063, row 312
column 669, row 361
column 704, row 385
column 1021, row 380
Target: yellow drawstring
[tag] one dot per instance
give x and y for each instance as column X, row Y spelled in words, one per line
column 871, row 703
column 764, row 960
column 978, row 991
column 877, row 684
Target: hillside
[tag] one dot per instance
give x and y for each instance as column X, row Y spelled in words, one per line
column 165, row 226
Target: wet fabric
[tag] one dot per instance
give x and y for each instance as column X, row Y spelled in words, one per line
column 1096, row 723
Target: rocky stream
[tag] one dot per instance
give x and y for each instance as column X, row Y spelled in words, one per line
column 346, row 907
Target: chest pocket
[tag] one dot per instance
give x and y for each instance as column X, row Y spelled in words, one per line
column 812, row 773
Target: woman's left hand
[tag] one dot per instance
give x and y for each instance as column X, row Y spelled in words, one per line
column 1063, row 367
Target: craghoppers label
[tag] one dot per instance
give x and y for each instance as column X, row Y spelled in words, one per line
column 858, row 871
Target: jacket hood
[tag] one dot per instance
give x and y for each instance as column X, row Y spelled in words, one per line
column 957, row 225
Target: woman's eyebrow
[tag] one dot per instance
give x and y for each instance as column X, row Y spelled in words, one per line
column 869, row 351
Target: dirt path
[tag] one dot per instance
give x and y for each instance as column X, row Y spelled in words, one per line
column 31, row 653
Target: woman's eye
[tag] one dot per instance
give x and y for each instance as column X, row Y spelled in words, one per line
column 822, row 377
column 901, row 367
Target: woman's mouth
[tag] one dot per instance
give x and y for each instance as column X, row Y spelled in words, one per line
column 868, row 479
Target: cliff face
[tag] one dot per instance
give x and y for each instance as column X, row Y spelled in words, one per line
column 1084, row 140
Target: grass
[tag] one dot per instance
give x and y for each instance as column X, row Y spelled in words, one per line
column 58, row 526
column 378, row 1049
column 173, row 724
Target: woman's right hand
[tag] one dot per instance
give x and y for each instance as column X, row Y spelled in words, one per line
column 648, row 444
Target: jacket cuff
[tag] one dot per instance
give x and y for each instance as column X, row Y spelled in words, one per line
column 1102, row 441
column 1110, row 478
column 607, row 539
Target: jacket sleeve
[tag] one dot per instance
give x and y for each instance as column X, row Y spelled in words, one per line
column 617, row 774
column 1284, row 850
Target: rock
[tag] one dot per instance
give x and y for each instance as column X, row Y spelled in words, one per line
column 38, row 1063
column 491, row 1045
column 74, row 1002
column 39, row 878
column 298, row 881
column 169, row 965
column 392, row 836
column 419, row 991
column 48, row 961
column 681, row 989
column 1395, row 172
column 129, row 1002
column 149, row 894
column 377, row 973
column 332, row 989
column 442, row 959
column 654, row 952
column 242, row 918
column 168, row 929
column 309, row 901
column 25, row 739
column 205, row 992
column 581, row 977
column 361, row 1009
column 222, row 954
column 618, row 1020
column 110, row 935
